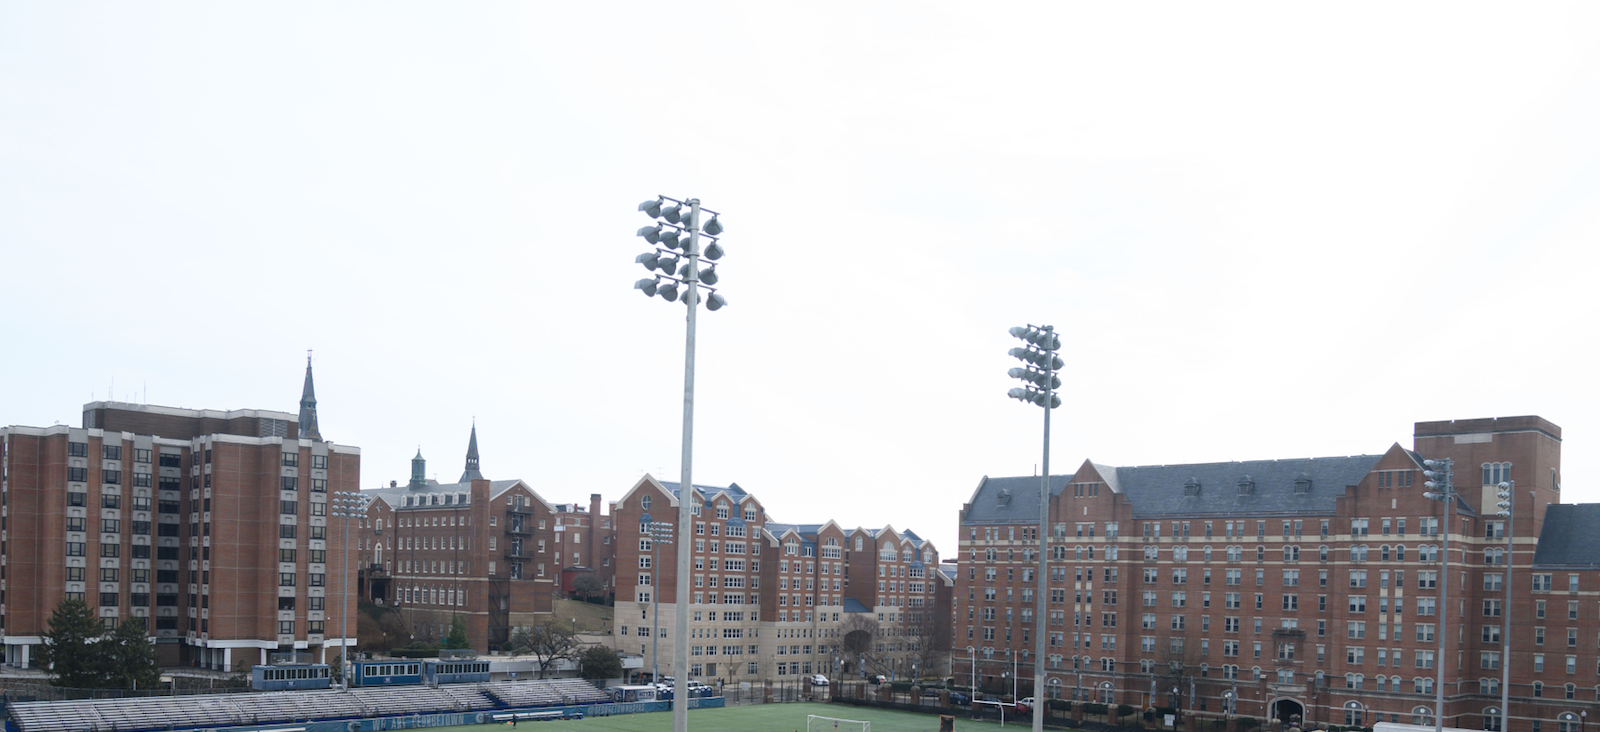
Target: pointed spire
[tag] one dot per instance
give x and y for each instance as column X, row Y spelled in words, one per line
column 308, row 407
column 419, row 471
column 471, row 473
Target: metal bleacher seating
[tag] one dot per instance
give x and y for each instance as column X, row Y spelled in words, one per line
column 226, row 710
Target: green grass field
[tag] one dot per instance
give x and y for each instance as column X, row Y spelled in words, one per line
column 757, row 717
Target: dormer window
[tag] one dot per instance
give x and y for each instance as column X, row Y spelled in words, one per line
column 1191, row 487
column 1247, row 485
column 1302, row 484
column 1003, row 497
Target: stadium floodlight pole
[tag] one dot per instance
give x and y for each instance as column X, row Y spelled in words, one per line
column 1506, row 492
column 660, row 532
column 1042, row 361
column 1440, row 475
column 676, row 257
column 346, row 505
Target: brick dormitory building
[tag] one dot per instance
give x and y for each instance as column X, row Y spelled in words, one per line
column 1305, row 587
column 209, row 528
column 491, row 552
column 772, row 600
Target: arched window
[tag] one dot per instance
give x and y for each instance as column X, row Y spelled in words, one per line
column 1538, row 689
column 1108, row 693
column 1261, row 554
column 1291, row 554
column 1179, row 554
column 858, row 543
column 1568, row 722
column 644, row 503
column 1111, row 554
column 1383, row 552
column 1322, row 553
column 1491, row 719
column 1422, row 715
column 1382, row 682
column 1091, row 551
column 1077, row 552
column 1208, row 553
column 1053, row 690
column 1572, row 691
column 1352, row 713
column 1400, row 554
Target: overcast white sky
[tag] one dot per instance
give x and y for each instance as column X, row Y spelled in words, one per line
column 1265, row 231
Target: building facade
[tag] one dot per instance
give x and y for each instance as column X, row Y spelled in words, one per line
column 1304, row 590
column 770, row 600
column 155, row 515
column 486, row 551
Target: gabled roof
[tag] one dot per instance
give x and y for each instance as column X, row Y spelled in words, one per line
column 396, row 497
column 1297, row 486
column 1570, row 536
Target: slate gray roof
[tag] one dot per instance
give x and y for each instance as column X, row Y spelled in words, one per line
column 395, row 497
column 706, row 491
column 1570, row 536
column 852, row 605
column 1159, row 490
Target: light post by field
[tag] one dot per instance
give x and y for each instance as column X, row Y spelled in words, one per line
column 1506, row 493
column 1039, row 374
column 676, row 259
column 660, row 532
column 346, row 505
column 1442, row 488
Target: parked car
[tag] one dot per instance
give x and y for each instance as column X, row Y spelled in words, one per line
column 960, row 699
column 878, row 679
column 819, row 680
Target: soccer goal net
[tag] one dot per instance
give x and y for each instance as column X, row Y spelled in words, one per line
column 817, row 723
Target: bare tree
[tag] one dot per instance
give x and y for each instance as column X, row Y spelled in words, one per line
column 1175, row 676
column 932, row 640
column 549, row 642
column 859, row 642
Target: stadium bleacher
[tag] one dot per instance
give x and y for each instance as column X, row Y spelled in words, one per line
column 224, row 710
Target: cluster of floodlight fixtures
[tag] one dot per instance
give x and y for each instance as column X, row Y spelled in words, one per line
column 1042, row 363
column 1441, row 487
column 677, row 253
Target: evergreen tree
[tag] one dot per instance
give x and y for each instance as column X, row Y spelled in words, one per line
column 71, row 647
column 130, row 657
column 458, row 634
column 600, row 662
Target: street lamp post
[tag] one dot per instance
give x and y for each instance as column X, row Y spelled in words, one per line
column 1439, row 475
column 660, row 532
column 676, row 258
column 1039, row 375
column 1506, row 492
column 346, row 505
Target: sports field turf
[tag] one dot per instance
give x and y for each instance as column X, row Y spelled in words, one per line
column 753, row 718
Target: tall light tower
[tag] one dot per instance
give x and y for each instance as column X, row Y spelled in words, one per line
column 1441, row 488
column 676, row 259
column 1039, row 375
column 1507, row 495
column 660, row 532
column 346, row 505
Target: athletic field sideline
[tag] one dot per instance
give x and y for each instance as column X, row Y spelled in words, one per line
column 753, row 718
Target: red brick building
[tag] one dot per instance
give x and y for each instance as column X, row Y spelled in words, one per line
column 1307, row 587
column 209, row 528
column 769, row 600
column 489, row 552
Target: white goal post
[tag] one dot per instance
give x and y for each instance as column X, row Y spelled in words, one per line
column 819, row 723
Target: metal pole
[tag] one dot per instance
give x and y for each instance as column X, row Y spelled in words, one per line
column 344, row 608
column 680, row 648
column 655, row 617
column 1044, row 529
column 1444, row 598
column 1505, row 616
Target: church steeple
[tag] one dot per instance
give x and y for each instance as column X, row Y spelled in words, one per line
column 419, row 471
column 308, row 407
column 471, row 472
